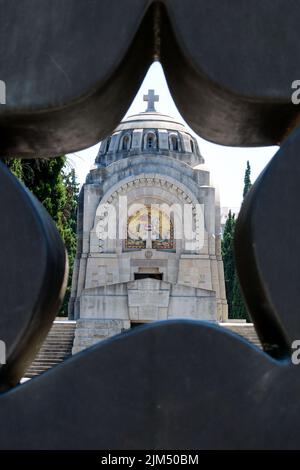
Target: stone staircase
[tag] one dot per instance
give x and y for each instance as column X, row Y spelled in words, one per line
column 246, row 330
column 56, row 348
column 59, row 342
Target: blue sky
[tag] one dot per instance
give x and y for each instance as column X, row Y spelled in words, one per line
column 226, row 164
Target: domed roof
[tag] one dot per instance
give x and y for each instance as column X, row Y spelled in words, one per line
column 150, row 120
column 150, row 132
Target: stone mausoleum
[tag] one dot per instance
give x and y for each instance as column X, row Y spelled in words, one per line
column 149, row 235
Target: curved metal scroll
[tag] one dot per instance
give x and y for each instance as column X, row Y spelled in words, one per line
column 230, row 67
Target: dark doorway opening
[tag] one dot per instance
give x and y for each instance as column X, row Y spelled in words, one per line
column 157, row 276
column 135, row 324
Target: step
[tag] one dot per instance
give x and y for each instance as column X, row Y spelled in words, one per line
column 48, row 361
column 246, row 330
column 58, row 344
column 56, row 348
column 58, row 338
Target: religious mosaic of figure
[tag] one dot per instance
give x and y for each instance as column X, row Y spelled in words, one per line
column 150, row 224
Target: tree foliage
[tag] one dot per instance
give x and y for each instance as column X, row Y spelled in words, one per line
column 55, row 186
column 236, row 304
column 247, row 180
column 15, row 166
column 228, row 261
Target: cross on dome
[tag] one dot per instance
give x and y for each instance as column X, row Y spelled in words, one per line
column 151, row 98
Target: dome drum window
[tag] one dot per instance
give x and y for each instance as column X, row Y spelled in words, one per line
column 125, row 142
column 151, row 132
column 150, row 141
column 174, row 142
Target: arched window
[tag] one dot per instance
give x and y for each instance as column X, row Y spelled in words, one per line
column 126, row 142
column 150, row 141
column 192, row 146
column 174, row 144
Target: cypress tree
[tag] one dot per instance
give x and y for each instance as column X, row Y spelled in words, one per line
column 69, row 228
column 238, row 304
column 228, row 259
column 247, row 180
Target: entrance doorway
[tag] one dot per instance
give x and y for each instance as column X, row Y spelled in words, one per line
column 157, row 276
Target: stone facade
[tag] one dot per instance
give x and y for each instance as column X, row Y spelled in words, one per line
column 135, row 263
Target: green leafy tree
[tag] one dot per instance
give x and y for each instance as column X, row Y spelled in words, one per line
column 69, row 227
column 236, row 304
column 15, row 166
column 228, row 259
column 55, row 186
column 247, row 180
column 44, row 177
